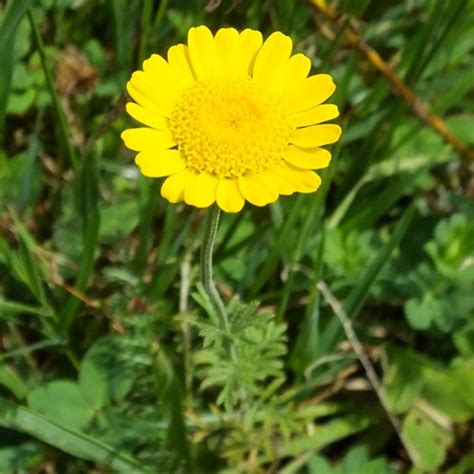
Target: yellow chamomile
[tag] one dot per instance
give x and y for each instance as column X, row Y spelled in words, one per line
column 230, row 118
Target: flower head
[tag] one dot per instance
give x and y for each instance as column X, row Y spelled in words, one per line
column 230, row 118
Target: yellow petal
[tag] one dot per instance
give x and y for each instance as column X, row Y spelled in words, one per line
column 163, row 77
column 257, row 191
column 146, row 116
column 156, row 164
column 163, row 100
column 145, row 101
column 173, row 187
column 318, row 114
column 139, row 139
column 291, row 73
column 316, row 135
column 229, row 197
column 201, row 192
column 307, row 158
column 296, row 70
column 180, row 62
column 250, row 43
column 278, row 184
column 228, row 51
column 202, row 51
column 272, row 58
column 304, row 181
column 312, row 91
column 157, row 67
column 281, row 182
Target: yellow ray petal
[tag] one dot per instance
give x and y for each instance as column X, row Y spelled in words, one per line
column 291, row 73
column 295, row 71
column 318, row 114
column 316, row 135
column 140, row 139
column 146, row 116
column 272, row 58
column 229, row 197
column 250, row 43
column 256, row 191
column 145, row 101
column 202, row 51
column 162, row 100
column 180, row 62
column 310, row 92
column 173, row 187
column 228, row 52
column 163, row 77
column 283, row 185
column 201, row 192
column 304, row 181
column 307, row 158
column 156, row 164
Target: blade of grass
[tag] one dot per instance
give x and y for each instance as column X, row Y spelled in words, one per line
column 145, row 23
column 276, row 251
column 90, row 241
column 14, row 307
column 311, row 225
column 397, row 187
column 333, row 332
column 63, row 127
column 11, row 380
column 14, row 12
column 145, row 232
column 87, row 196
column 169, row 388
column 23, row 350
column 31, row 167
column 450, row 12
column 24, row 420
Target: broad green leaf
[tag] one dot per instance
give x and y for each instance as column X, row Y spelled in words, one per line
column 19, row 418
column 103, row 376
column 421, row 312
column 62, row 401
column 428, row 441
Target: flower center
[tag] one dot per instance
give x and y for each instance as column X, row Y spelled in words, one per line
column 230, row 128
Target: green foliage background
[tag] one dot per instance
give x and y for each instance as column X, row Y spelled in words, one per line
column 110, row 357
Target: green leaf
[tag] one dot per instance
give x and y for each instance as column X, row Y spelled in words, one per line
column 427, row 440
column 403, row 380
column 119, row 220
column 62, row 401
column 19, row 418
column 103, row 375
column 420, row 312
column 11, row 380
column 317, row 464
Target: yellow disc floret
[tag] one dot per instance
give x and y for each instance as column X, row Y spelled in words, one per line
column 230, row 128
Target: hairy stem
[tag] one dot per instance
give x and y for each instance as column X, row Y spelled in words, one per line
column 210, row 231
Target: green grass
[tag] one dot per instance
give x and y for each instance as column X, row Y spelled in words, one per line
column 111, row 358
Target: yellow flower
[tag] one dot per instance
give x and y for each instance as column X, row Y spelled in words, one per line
column 230, row 118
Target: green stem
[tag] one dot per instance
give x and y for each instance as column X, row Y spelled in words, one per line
column 210, row 231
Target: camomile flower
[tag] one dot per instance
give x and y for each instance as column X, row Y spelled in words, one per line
column 230, row 118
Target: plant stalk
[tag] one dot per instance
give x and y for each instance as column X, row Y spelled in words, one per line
column 210, row 231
